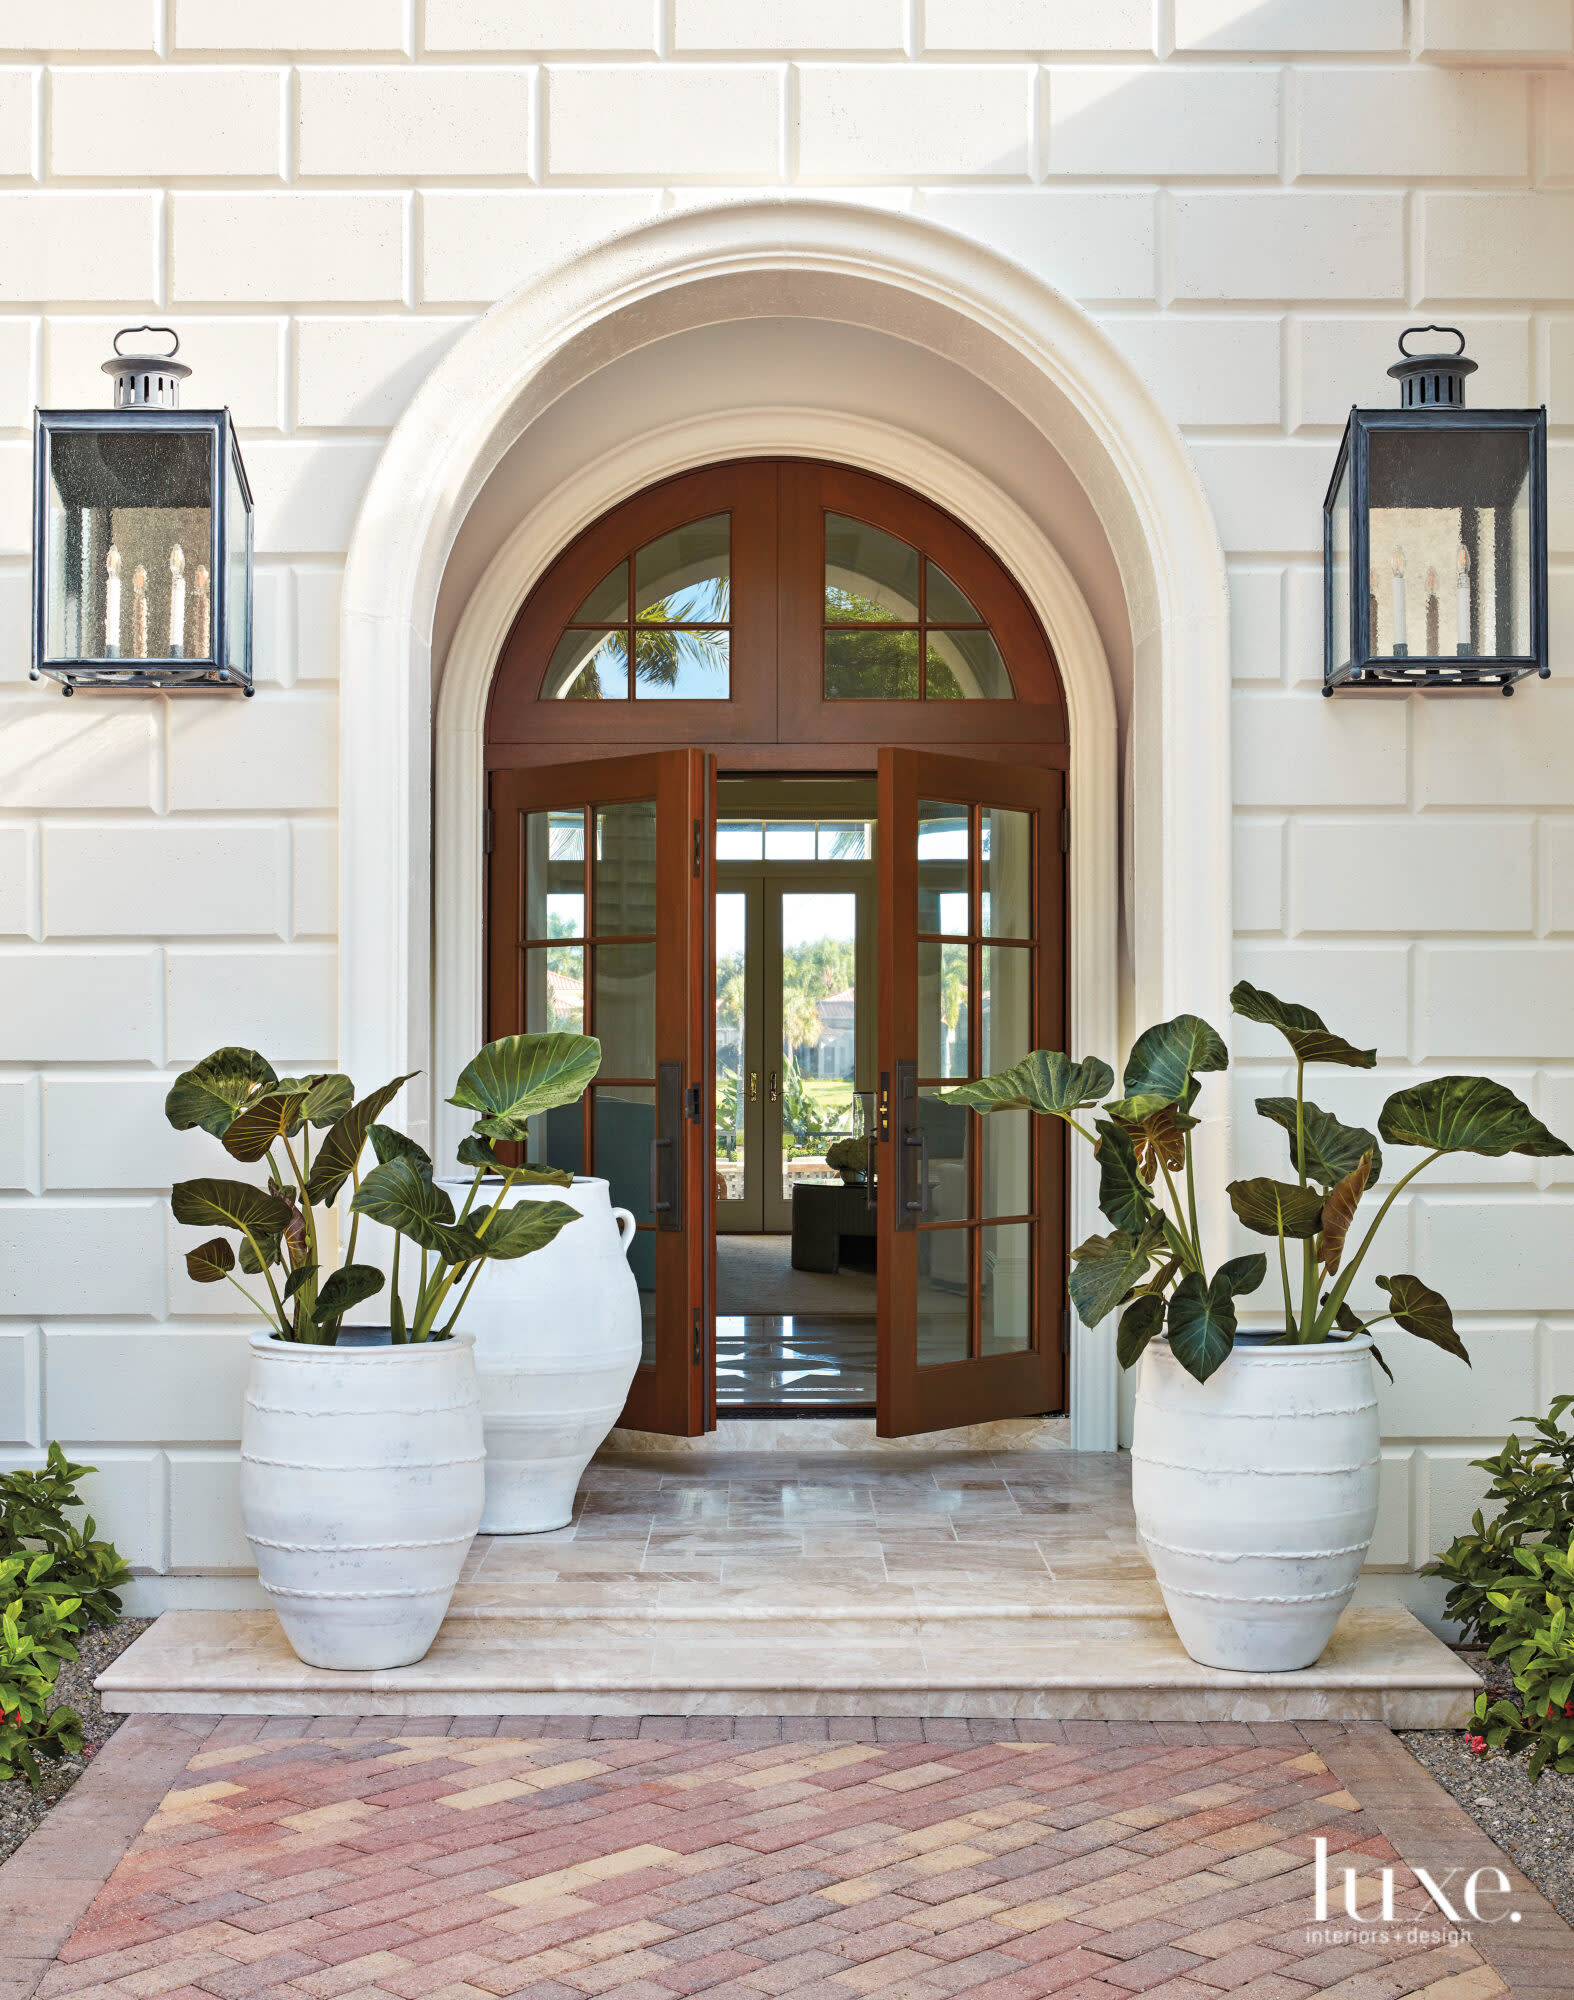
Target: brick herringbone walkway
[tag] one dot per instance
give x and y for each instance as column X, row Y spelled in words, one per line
column 916, row 1859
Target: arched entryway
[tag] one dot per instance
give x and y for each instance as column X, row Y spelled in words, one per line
column 411, row 985
column 722, row 736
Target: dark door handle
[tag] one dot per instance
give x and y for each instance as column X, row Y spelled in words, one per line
column 917, row 1136
column 871, row 1184
column 657, row 1205
column 666, row 1175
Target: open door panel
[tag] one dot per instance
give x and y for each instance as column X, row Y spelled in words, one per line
column 596, row 925
column 972, row 1208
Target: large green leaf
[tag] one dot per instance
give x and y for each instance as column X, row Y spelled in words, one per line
column 1044, row 1081
column 1105, row 1269
column 1339, row 1212
column 229, row 1205
column 1332, row 1148
column 512, row 1079
column 1241, row 1275
column 1423, row 1312
column 1123, row 1193
column 1139, row 1323
column 1164, row 1060
column 1272, row 1208
column 527, row 1226
column 210, row 1261
column 269, row 1245
column 211, row 1093
column 1202, row 1324
column 1307, row 1033
column 328, row 1099
column 266, row 1120
column 1157, row 1130
column 474, row 1151
column 401, row 1196
column 1467, row 1114
column 389, row 1144
column 347, row 1287
column 341, row 1150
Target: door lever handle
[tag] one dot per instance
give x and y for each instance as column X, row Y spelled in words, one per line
column 871, row 1184
column 772, row 1087
column 754, row 1086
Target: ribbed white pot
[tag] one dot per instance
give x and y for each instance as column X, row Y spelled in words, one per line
column 1256, row 1496
column 557, row 1341
column 361, row 1488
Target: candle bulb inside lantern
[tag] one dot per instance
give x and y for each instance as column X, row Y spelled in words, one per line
column 112, row 604
column 177, row 601
column 1432, row 615
column 139, row 613
column 199, row 610
column 1462, row 603
column 1401, row 643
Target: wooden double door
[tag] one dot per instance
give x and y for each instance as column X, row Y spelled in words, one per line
column 601, row 915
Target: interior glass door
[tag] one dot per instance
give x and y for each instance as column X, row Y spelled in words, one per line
column 971, row 1257
column 596, row 918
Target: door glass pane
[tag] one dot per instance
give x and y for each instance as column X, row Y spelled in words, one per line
column 555, row 989
column 944, row 1268
column 588, row 666
column 556, row 1138
column 944, row 603
column 948, row 1133
column 1007, row 839
column 1005, row 1288
column 625, row 869
column 819, row 1031
column 943, row 857
column 871, row 666
column 966, row 666
column 624, row 1125
column 1006, row 1138
column 845, row 840
column 1006, row 1006
column 942, row 1010
column 555, row 873
column 678, row 665
column 731, row 1047
column 684, row 577
column 869, row 575
column 739, row 840
column 608, row 603
column 625, row 1015
column 789, row 840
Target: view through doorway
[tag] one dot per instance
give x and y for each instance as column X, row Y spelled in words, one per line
column 796, row 1238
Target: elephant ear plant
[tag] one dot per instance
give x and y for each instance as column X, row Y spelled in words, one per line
column 1152, row 1265
column 285, row 1228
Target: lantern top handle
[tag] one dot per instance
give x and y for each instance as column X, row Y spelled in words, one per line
column 1432, row 381
column 147, row 381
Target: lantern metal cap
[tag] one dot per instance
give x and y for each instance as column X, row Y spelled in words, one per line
column 147, row 381
column 1432, row 381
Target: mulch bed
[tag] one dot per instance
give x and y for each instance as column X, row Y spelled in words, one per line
column 21, row 1808
column 1534, row 1824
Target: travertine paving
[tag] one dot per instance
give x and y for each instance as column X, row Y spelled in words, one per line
column 916, row 1858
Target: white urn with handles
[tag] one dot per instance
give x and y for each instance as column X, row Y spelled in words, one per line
column 557, row 1341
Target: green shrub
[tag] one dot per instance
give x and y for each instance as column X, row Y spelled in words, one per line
column 55, row 1580
column 1535, row 1636
column 1533, row 1479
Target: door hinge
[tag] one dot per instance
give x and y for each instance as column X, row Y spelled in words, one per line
column 699, row 849
column 691, row 1102
column 486, row 830
column 1065, row 1329
column 1065, row 829
column 699, row 1339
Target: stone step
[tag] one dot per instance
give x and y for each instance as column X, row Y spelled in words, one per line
column 1054, row 1661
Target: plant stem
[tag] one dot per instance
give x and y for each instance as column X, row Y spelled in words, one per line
column 1336, row 1297
column 1193, row 1255
column 395, row 1302
column 1191, row 1198
column 253, row 1303
column 453, row 1317
column 1090, row 1137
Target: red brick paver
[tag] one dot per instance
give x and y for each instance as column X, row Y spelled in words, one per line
column 345, row 1861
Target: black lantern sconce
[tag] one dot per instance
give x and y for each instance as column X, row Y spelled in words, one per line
column 1435, row 538
column 141, row 538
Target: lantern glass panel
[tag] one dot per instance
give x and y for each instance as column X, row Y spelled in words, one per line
column 121, row 503
column 1339, row 568
column 237, row 598
column 1449, row 527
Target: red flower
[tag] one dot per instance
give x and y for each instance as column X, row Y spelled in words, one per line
column 1478, row 1744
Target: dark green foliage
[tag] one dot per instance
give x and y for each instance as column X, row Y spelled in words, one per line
column 1530, row 1500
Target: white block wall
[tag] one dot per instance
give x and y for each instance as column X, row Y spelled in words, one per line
column 1251, row 198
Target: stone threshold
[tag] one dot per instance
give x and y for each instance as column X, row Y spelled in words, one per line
column 1382, row 1665
column 814, row 1435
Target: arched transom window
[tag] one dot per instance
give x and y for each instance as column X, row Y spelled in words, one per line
column 777, row 600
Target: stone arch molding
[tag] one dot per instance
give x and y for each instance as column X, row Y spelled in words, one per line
column 410, row 849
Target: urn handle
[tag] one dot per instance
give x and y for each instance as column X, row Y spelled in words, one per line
column 624, row 1219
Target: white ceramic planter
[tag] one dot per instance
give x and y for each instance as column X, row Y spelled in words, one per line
column 557, row 1341
column 361, row 1488
column 1256, row 1496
